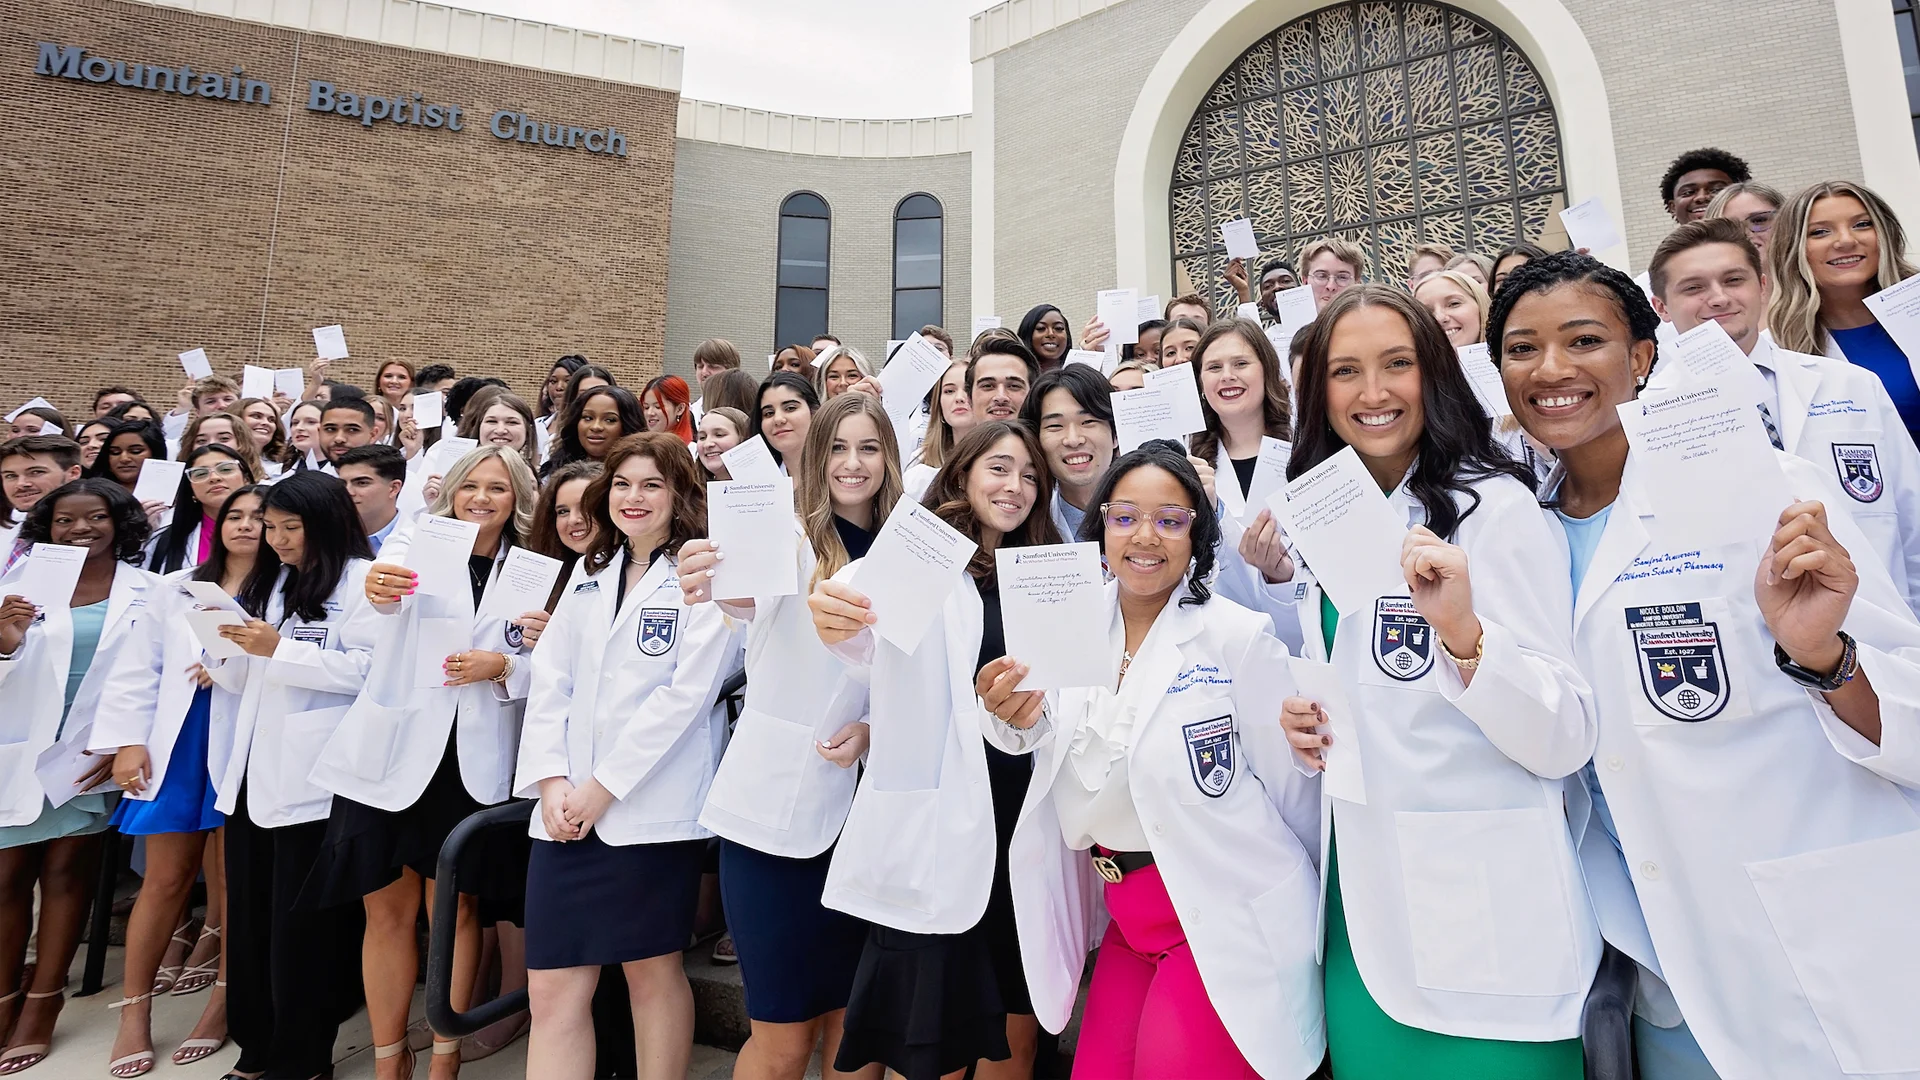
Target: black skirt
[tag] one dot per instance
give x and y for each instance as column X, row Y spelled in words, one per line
column 930, row 1004
column 366, row 848
column 591, row 903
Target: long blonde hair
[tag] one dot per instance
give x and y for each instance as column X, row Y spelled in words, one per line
column 814, row 487
column 1793, row 314
column 1475, row 291
column 526, row 493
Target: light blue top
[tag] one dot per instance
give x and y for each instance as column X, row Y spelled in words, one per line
column 1070, row 514
column 88, row 621
column 1583, row 538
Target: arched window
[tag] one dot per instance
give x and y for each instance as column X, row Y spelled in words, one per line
column 800, row 301
column 1387, row 122
column 916, row 265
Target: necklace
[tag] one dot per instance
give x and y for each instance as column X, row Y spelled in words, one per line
column 1126, row 661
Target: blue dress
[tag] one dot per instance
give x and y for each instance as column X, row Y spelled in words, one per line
column 82, row 815
column 186, row 798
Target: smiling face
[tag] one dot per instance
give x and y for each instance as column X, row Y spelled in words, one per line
column 955, row 406
column 303, row 427
column 25, row 479
column 599, row 426
column 1373, row 389
column 240, row 528
column 125, row 452
column 502, row 425
column 83, row 521
column 216, row 429
column 841, row 372
column 717, row 436
column 214, row 401
column 1002, row 486
column 286, row 533
column 1144, row 561
column 1050, row 338
column 1693, row 191
column 395, row 383
column 640, row 501
column 1756, row 214
column 1714, row 281
column 1327, row 274
column 784, row 418
column 653, row 409
column 1232, row 380
column 1567, row 359
column 485, row 497
column 1078, row 445
column 570, row 518
column 1000, row 384
column 262, row 423
column 91, row 438
column 212, row 478
column 1176, row 345
column 1842, row 246
column 1148, row 347
column 856, row 464
column 1456, row 312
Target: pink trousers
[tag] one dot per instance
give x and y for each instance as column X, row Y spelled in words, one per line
column 1148, row 1016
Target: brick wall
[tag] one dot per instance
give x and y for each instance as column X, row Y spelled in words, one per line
column 726, row 212
column 141, row 224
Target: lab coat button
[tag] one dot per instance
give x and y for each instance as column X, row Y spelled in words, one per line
column 1650, row 870
column 1159, row 829
column 1615, row 764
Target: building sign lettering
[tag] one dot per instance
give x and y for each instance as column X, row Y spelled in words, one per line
column 404, row 109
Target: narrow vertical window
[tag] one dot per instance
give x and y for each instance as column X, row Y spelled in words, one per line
column 917, row 268
column 800, row 302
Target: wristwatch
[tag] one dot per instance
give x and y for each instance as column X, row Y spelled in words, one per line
column 1842, row 674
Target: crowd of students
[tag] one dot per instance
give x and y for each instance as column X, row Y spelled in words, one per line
column 1581, row 731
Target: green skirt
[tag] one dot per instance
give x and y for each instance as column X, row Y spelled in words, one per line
column 1367, row 1044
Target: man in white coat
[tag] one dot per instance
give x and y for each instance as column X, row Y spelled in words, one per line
column 1834, row 414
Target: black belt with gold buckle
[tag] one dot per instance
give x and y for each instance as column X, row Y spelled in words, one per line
column 1115, row 865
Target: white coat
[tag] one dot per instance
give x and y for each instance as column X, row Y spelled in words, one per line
column 1237, row 865
column 1464, row 901
column 291, row 702
column 1236, row 579
column 916, row 478
column 148, row 691
column 917, row 850
column 34, row 684
column 392, row 740
column 1775, row 853
column 626, row 697
column 774, row 792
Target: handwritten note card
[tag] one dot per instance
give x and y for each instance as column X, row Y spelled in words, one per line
column 1053, row 609
column 915, row 562
column 1338, row 518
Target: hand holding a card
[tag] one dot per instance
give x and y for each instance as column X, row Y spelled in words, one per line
column 256, row 638
column 16, row 614
column 1302, row 719
column 995, row 685
column 388, row 582
column 1436, row 572
column 839, row 611
column 1264, row 547
column 1804, row 587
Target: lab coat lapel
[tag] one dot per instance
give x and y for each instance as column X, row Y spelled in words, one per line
column 1159, row 658
column 1624, row 537
column 1226, row 484
column 128, row 585
column 636, row 597
column 1795, row 381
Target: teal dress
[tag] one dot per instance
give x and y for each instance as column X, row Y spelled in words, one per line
column 82, row 815
column 1367, row 1044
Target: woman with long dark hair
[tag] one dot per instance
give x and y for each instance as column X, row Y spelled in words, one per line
column 53, row 664
column 214, row 472
column 160, row 714
column 1470, row 716
column 1044, row 332
column 923, row 854
column 787, row 404
column 308, row 644
column 562, row 526
column 598, row 417
column 127, row 446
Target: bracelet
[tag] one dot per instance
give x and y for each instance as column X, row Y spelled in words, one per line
column 506, row 669
column 1465, row 663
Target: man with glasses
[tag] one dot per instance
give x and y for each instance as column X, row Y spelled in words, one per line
column 1332, row 264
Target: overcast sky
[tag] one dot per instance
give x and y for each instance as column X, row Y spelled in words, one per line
column 870, row 59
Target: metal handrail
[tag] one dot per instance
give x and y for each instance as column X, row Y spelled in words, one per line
column 441, row 1015
column 1606, row 1020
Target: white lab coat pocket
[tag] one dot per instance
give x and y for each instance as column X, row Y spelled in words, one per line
column 889, row 849
column 21, row 795
column 1285, row 915
column 1487, row 904
column 1844, row 917
column 368, row 734
column 303, row 736
column 762, row 770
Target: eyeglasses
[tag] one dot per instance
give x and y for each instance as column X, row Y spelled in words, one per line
column 202, row 472
column 1321, row 277
column 1760, row 222
column 1171, row 522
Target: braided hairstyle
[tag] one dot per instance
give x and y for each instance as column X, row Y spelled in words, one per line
column 1566, row 268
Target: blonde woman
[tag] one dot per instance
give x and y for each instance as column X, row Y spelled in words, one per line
column 786, row 781
column 1835, row 244
column 1458, row 302
column 1478, row 267
column 838, row 370
column 1752, row 204
column 410, row 761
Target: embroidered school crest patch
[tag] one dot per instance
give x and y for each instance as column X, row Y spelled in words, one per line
column 515, row 635
column 1402, row 640
column 1682, row 669
column 657, row 627
column 1210, row 754
column 1859, row 467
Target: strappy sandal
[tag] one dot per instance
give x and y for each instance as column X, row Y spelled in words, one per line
column 167, row 975
column 444, row 1049
column 393, row 1050
column 192, row 1050
column 17, row 1059
column 197, row 977
column 139, row 1063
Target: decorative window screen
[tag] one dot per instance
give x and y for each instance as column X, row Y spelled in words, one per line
column 1386, row 122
